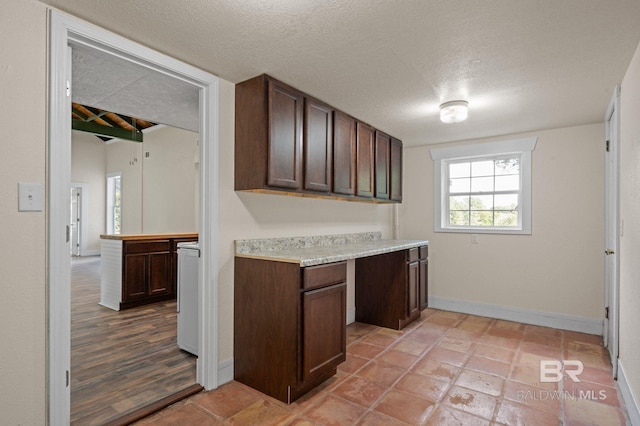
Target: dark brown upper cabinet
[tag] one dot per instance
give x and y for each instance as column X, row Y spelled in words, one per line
column 285, row 136
column 344, row 154
column 382, row 162
column 317, row 145
column 365, row 138
column 291, row 143
column 396, row 170
column 268, row 148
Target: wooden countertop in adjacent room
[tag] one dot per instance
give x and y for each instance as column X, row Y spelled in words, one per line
column 129, row 237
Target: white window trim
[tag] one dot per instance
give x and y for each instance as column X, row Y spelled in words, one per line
column 522, row 146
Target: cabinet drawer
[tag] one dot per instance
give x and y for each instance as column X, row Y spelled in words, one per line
column 424, row 252
column 146, row 246
column 413, row 255
column 324, row 275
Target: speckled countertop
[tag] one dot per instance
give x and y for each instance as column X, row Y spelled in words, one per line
column 310, row 251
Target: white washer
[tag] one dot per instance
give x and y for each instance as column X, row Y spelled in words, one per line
column 188, row 260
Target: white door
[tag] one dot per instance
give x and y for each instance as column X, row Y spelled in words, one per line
column 74, row 222
column 612, row 230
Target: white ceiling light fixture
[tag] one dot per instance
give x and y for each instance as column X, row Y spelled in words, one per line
column 454, row 111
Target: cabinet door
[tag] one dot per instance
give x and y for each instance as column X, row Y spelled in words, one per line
column 395, row 174
column 318, row 144
column 383, row 144
column 285, row 137
column 344, row 154
column 424, row 284
column 135, row 277
column 159, row 273
column 365, row 136
column 323, row 330
column 413, row 290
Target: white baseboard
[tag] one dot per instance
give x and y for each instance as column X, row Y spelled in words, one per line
column 109, row 304
column 545, row 319
column 225, row 372
column 630, row 402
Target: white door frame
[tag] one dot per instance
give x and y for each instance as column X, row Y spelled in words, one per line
column 66, row 30
column 612, row 229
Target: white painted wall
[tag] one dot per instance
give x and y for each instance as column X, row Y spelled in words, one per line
column 23, row 320
column 158, row 191
column 88, row 166
column 126, row 157
column 559, row 267
column 630, row 240
column 168, row 176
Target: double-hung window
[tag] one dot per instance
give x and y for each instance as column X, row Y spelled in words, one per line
column 484, row 188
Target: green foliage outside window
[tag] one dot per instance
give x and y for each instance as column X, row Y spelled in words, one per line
column 484, row 193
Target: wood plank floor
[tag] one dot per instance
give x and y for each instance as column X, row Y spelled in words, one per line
column 120, row 360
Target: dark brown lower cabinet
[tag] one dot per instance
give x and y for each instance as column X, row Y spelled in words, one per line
column 146, row 272
column 413, row 291
column 290, row 321
column 149, row 271
column 289, row 325
column 389, row 288
column 147, row 275
column 323, row 331
column 424, row 277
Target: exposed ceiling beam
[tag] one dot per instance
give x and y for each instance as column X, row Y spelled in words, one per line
column 113, row 132
column 88, row 115
column 121, row 122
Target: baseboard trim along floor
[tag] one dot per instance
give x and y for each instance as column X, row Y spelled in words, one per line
column 526, row 316
column 633, row 408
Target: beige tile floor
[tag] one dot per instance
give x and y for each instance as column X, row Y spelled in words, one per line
column 444, row 369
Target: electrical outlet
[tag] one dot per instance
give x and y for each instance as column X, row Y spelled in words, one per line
column 474, row 238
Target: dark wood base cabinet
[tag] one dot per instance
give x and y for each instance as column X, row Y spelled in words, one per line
column 423, row 262
column 391, row 288
column 289, row 325
column 149, row 271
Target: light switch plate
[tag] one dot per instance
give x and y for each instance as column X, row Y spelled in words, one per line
column 30, row 197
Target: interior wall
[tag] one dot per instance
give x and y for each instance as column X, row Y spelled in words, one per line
column 23, row 312
column 250, row 215
column 630, row 216
column 126, row 157
column 559, row 268
column 170, row 158
column 88, row 157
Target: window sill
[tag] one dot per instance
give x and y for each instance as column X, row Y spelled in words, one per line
column 501, row 231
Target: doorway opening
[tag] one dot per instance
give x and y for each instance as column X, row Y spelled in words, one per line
column 125, row 359
column 65, row 32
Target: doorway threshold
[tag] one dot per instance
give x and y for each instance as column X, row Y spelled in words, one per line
column 154, row 407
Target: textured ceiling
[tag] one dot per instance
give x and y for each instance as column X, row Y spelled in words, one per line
column 522, row 65
column 113, row 84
